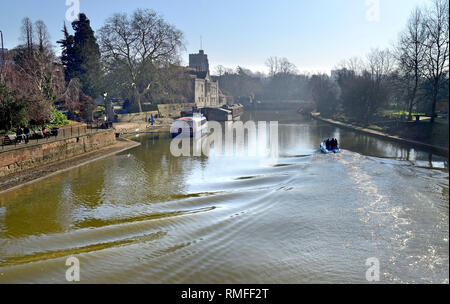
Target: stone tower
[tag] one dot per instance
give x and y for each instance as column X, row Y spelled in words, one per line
column 199, row 61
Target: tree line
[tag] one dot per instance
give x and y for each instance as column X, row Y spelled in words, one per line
column 132, row 57
column 31, row 80
column 282, row 83
column 411, row 76
column 137, row 58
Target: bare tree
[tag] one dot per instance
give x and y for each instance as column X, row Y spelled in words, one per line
column 141, row 42
column 380, row 63
column 410, row 54
column 286, row 67
column 278, row 65
column 35, row 83
column 365, row 85
column 273, row 65
column 379, row 67
column 42, row 35
column 27, row 34
column 220, row 70
column 437, row 48
column 354, row 64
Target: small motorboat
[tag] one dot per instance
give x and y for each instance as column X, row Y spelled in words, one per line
column 323, row 148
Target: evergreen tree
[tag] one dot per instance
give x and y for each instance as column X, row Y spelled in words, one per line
column 87, row 56
column 81, row 56
column 68, row 54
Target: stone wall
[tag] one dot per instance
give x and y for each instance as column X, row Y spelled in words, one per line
column 173, row 110
column 34, row 156
column 136, row 117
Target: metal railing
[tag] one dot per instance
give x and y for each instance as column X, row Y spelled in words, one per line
column 9, row 143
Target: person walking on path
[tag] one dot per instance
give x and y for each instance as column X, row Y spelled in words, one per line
column 19, row 133
column 26, row 132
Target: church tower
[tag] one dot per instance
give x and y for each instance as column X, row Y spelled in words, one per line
column 199, row 62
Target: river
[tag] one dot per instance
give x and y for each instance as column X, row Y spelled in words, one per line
column 145, row 216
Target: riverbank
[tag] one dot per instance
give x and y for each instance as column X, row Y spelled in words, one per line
column 442, row 151
column 161, row 125
column 20, row 179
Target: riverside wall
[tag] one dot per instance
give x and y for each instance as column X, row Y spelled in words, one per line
column 30, row 157
column 173, row 110
column 136, row 117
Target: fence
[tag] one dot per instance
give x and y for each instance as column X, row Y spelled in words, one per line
column 9, row 143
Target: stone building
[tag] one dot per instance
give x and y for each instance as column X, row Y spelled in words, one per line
column 206, row 90
column 199, row 62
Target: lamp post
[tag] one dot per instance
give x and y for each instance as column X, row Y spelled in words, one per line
column 3, row 57
column 108, row 108
column 105, row 95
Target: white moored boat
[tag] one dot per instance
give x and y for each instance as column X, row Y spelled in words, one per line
column 193, row 126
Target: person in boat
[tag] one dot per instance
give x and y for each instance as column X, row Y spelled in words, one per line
column 327, row 144
column 335, row 144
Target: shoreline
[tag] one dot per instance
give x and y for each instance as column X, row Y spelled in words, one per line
column 133, row 128
column 21, row 179
column 441, row 151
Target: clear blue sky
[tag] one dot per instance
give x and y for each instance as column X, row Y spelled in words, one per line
column 313, row 34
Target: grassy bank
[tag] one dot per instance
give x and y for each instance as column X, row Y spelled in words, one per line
column 436, row 134
column 426, row 145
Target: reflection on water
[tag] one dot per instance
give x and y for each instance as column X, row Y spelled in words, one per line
column 146, row 216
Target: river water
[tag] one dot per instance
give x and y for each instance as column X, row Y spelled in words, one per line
column 145, row 216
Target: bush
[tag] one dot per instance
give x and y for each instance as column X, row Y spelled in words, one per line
column 9, row 132
column 342, row 118
column 376, row 128
column 58, row 118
